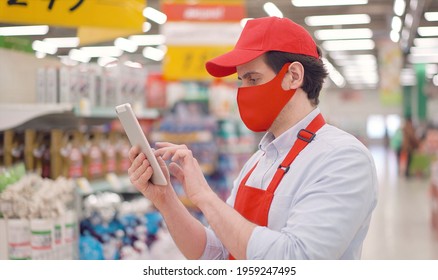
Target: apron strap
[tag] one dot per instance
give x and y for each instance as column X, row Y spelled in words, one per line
column 304, row 137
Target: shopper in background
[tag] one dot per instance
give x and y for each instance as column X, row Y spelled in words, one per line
column 410, row 143
column 310, row 189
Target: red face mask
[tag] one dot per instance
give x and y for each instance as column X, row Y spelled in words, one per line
column 260, row 105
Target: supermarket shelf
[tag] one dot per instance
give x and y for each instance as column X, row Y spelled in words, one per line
column 13, row 116
column 111, row 183
column 16, row 115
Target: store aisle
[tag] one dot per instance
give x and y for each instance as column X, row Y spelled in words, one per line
column 401, row 226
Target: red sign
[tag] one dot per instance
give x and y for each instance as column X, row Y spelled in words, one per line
column 204, row 12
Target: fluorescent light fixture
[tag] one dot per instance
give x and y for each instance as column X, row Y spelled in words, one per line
column 338, row 20
column 344, row 45
column 428, row 31
column 154, row 15
column 153, row 53
column 413, row 4
column 40, row 55
column 64, row 42
column 407, row 77
column 102, row 51
column 126, row 45
column 146, row 26
column 409, row 19
column 133, row 64
column 424, row 51
column 44, row 47
column 431, row 16
column 359, row 59
column 24, row 30
column 316, row 3
column 66, row 60
column 79, row 55
column 148, row 40
column 418, row 58
column 431, row 70
column 396, row 23
column 399, row 7
column 334, row 74
column 272, row 10
column 395, row 36
column 106, row 61
column 426, row 42
column 338, row 34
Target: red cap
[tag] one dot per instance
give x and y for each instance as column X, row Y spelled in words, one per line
column 262, row 35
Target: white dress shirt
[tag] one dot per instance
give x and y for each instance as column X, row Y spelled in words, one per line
column 322, row 207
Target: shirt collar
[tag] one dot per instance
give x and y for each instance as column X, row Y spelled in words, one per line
column 283, row 141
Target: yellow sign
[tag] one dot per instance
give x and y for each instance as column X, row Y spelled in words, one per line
column 92, row 35
column 188, row 62
column 73, row 13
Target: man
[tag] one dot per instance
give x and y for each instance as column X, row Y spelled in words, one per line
column 310, row 189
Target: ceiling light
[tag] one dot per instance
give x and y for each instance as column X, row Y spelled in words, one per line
column 424, row 51
column 396, row 24
column 64, row 42
column 153, row 53
column 409, row 19
column 399, row 7
column 419, row 58
column 148, row 40
column 24, row 30
column 315, row 3
column 431, row 16
column 66, row 60
column 413, row 4
column 107, row 61
column 272, row 10
column 426, row 42
column 133, row 64
column 407, row 77
column 334, row 74
column 431, row 70
column 44, row 47
column 79, row 55
column 395, row 36
column 337, row 34
column 40, row 55
column 349, row 45
column 102, row 51
column 146, row 26
column 154, row 15
column 126, row 45
column 337, row 20
column 428, row 31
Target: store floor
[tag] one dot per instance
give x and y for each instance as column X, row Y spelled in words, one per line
column 401, row 226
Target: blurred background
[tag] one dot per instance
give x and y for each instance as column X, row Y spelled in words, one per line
column 64, row 65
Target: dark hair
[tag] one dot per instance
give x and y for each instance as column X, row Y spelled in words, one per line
column 314, row 70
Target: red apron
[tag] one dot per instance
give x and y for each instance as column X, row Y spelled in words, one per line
column 254, row 204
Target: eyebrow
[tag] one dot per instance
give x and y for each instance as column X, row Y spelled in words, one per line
column 247, row 74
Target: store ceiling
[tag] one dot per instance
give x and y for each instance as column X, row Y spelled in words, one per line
column 381, row 13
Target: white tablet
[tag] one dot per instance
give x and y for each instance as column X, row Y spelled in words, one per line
column 137, row 138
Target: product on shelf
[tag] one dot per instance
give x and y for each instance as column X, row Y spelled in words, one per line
column 116, row 228
column 38, row 217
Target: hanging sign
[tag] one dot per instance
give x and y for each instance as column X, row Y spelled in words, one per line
column 188, row 62
column 197, row 32
column 73, row 13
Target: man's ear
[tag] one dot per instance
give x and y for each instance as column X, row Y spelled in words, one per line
column 295, row 75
